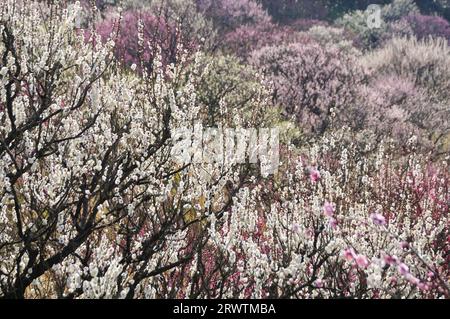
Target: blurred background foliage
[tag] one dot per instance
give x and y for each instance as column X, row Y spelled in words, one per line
column 285, row 10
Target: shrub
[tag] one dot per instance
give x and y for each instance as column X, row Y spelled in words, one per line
column 426, row 26
column 231, row 14
column 394, row 107
column 356, row 22
column 246, row 39
column 426, row 63
column 334, row 36
column 228, row 87
column 286, row 11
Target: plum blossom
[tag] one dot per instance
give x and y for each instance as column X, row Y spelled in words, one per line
column 362, row 261
column 333, row 223
column 391, row 260
column 349, row 254
column 93, row 204
column 378, row 219
column 319, row 283
column 314, row 175
column 403, row 269
column 329, row 209
column 404, row 245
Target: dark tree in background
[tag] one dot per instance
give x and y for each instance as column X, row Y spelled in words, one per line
column 441, row 7
column 287, row 10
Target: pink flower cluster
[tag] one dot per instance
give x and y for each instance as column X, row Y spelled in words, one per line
column 404, row 270
column 360, row 260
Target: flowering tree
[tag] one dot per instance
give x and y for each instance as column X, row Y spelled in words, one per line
column 395, row 107
column 310, row 81
column 288, row 10
column 165, row 25
column 315, row 231
column 421, row 69
column 228, row 86
column 98, row 198
column 133, row 25
column 318, row 232
column 426, row 63
column 426, row 26
column 230, row 14
column 192, row 22
column 246, row 39
column 91, row 203
column 390, row 23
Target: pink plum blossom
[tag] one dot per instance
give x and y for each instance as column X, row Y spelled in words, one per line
column 314, row 175
column 403, row 269
column 318, row 283
column 329, row 209
column 378, row 219
column 349, row 254
column 333, row 223
column 390, row 260
column 362, row 261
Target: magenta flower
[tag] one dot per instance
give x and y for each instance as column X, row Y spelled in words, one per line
column 423, row 286
column 296, row 228
column 318, row 283
column 424, row 26
column 329, row 209
column 403, row 269
column 333, row 222
column 390, row 260
column 362, row 261
column 413, row 280
column 314, row 175
column 349, row 254
column 378, row 219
